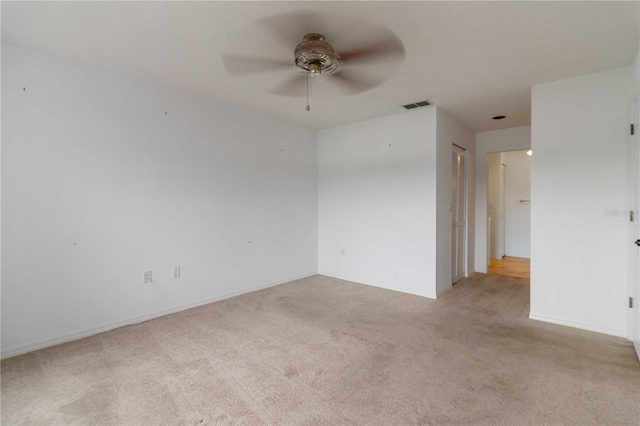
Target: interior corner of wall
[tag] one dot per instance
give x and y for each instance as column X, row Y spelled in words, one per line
column 442, row 291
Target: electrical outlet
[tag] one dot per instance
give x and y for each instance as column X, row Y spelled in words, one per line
column 175, row 272
column 147, row 277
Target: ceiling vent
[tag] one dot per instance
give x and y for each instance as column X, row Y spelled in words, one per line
column 418, row 104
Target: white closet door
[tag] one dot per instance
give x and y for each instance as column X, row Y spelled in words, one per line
column 458, row 213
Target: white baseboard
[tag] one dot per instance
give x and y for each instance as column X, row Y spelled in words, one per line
column 444, row 290
column 568, row 323
column 138, row 319
column 379, row 285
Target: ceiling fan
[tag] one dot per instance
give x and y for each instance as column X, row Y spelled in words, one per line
column 367, row 56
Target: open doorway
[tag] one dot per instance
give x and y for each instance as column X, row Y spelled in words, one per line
column 509, row 213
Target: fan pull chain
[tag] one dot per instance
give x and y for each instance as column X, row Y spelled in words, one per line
column 308, row 108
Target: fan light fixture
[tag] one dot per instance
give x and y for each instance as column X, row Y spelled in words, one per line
column 316, row 56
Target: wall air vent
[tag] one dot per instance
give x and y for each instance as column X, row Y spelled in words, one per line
column 418, row 104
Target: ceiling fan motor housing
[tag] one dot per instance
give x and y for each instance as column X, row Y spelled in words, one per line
column 315, row 56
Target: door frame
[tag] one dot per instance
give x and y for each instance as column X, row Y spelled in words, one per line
column 465, row 252
column 634, row 226
column 502, row 186
column 503, row 210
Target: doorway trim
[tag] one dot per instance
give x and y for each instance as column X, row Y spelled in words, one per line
column 458, row 152
column 633, row 332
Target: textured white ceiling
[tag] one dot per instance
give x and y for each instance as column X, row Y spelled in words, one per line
column 472, row 59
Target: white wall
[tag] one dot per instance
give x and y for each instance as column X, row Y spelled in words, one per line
column 517, row 214
column 384, row 190
column 450, row 132
column 100, row 185
column 377, row 198
column 635, row 76
column 579, row 173
column 515, row 138
column 494, row 204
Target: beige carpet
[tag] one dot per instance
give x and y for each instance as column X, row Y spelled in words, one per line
column 326, row 351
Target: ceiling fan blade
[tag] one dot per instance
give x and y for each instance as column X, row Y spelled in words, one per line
column 370, row 53
column 237, row 64
column 389, row 49
column 278, row 30
column 294, row 86
column 286, row 29
column 353, row 83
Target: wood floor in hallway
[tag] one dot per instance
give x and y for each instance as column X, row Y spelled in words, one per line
column 511, row 267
